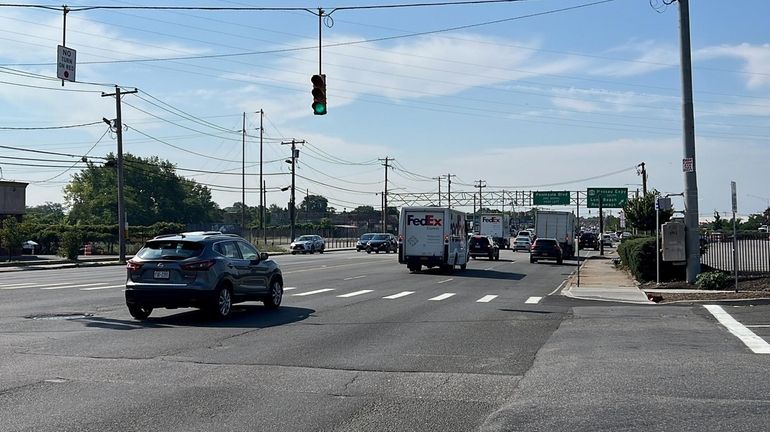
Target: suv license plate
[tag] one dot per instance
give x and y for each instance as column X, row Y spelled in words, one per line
column 161, row 274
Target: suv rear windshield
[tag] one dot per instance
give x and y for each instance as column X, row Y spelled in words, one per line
column 170, row 250
column 545, row 242
column 587, row 236
column 483, row 241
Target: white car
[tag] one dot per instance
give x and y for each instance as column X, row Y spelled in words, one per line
column 522, row 243
column 606, row 240
column 307, row 244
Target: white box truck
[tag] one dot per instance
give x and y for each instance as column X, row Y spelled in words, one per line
column 557, row 225
column 494, row 225
column 432, row 237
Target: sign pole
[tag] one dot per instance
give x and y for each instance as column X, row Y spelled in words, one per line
column 657, row 241
column 577, row 240
column 735, row 233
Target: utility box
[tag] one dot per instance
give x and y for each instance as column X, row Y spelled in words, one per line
column 674, row 241
column 12, row 198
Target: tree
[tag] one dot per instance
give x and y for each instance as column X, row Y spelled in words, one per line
column 718, row 223
column 153, row 192
column 640, row 212
column 49, row 213
column 314, row 204
column 12, row 235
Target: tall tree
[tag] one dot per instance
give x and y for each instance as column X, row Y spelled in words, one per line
column 153, row 193
column 640, row 212
column 314, row 204
column 49, row 213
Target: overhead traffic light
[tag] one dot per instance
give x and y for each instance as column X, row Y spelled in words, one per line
column 319, row 94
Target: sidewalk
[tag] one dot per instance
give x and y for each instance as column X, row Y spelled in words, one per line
column 600, row 280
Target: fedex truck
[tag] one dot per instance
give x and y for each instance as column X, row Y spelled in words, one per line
column 432, row 237
column 494, row 225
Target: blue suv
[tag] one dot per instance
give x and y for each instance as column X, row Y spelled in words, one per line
column 207, row 270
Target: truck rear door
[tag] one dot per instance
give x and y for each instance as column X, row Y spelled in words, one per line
column 424, row 233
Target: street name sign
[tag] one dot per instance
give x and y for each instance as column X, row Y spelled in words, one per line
column 65, row 63
column 550, row 198
column 611, row 197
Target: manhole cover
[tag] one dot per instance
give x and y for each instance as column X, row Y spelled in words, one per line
column 59, row 316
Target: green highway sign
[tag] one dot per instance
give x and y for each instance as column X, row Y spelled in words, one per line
column 611, row 197
column 550, row 198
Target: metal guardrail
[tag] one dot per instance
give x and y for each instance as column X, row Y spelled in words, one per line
column 753, row 252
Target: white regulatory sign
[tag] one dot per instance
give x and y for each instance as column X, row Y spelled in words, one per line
column 65, row 63
column 688, row 165
column 734, row 196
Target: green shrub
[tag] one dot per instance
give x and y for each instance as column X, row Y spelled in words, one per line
column 638, row 255
column 714, row 280
column 70, row 244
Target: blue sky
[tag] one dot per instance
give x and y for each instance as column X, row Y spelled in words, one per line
column 546, row 99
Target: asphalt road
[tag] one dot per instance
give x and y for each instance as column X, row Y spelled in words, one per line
column 446, row 357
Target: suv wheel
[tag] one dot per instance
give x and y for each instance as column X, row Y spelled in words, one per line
column 273, row 300
column 223, row 303
column 139, row 312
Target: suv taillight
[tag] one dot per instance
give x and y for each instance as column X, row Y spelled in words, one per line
column 198, row 266
column 133, row 265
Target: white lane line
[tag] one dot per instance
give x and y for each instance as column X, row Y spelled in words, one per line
column 486, row 299
column 354, row 277
column 103, row 287
column 561, row 285
column 353, row 294
column 533, row 300
column 313, row 292
column 401, row 294
column 752, row 341
column 759, row 326
column 442, row 297
column 289, row 288
column 33, row 285
column 16, row 285
column 445, row 280
column 52, row 287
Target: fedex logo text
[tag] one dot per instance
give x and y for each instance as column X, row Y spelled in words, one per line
column 428, row 220
column 490, row 219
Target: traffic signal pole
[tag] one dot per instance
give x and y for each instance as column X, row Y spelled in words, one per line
column 293, row 161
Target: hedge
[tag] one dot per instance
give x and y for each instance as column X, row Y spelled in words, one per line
column 49, row 237
column 638, row 255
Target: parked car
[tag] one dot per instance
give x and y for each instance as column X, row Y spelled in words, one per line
column 481, row 246
column 545, row 248
column 588, row 240
column 307, row 244
column 206, row 270
column 606, row 240
column 361, row 243
column 522, row 243
column 382, row 243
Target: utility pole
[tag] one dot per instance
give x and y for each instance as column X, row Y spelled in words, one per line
column 688, row 163
column 118, row 126
column 243, row 176
column 293, row 162
column 439, row 189
column 449, row 189
column 387, row 165
column 643, row 172
column 262, row 200
column 481, row 184
column 264, row 204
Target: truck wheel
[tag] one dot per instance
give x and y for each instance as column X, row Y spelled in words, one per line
column 463, row 266
column 532, row 261
column 559, row 261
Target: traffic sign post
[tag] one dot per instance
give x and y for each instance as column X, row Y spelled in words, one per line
column 65, row 63
column 550, row 198
column 735, row 233
column 610, row 197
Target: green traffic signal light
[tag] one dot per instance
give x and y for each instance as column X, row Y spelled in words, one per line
column 319, row 94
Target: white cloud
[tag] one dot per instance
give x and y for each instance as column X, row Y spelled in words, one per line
column 648, row 56
column 756, row 58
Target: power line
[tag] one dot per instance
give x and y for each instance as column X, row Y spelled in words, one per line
column 50, row 127
column 76, row 163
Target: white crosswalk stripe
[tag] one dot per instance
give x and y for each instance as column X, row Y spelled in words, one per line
column 533, row 300
column 313, row 292
column 486, row 299
column 442, row 297
column 16, row 286
column 353, row 294
column 399, row 295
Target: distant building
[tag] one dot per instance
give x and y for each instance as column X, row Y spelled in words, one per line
column 13, row 199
